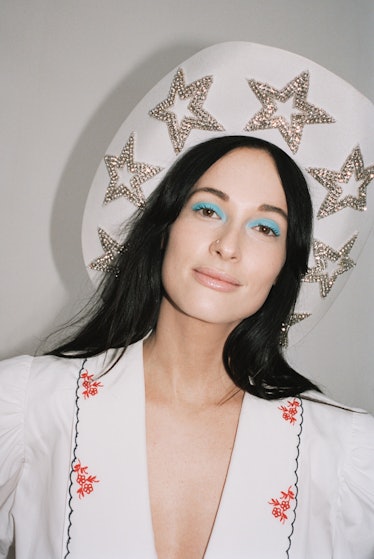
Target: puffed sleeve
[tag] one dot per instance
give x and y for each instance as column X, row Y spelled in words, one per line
column 14, row 374
column 355, row 523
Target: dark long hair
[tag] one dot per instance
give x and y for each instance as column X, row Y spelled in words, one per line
column 128, row 303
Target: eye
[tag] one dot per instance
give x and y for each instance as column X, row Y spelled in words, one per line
column 209, row 210
column 266, row 227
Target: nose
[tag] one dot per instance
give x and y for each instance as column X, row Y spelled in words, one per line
column 227, row 245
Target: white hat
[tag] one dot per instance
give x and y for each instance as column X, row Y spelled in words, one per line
column 241, row 88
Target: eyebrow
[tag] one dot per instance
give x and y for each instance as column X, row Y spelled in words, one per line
column 226, row 198
column 275, row 209
column 214, row 191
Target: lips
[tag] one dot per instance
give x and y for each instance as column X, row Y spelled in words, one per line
column 215, row 279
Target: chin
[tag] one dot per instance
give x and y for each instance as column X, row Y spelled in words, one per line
column 212, row 309
column 214, row 316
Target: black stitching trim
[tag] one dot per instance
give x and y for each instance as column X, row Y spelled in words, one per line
column 77, row 409
column 296, row 476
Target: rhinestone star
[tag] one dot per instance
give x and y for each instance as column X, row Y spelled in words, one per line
column 141, row 172
column 291, row 321
column 197, row 92
column 112, row 249
column 305, row 112
column 331, row 180
column 322, row 253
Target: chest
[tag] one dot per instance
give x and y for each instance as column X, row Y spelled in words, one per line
column 188, row 455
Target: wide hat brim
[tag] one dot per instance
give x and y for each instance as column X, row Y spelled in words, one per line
column 234, row 88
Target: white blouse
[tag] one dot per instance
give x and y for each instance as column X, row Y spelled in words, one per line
column 73, row 469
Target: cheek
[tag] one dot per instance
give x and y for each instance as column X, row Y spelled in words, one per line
column 279, row 257
column 175, row 253
column 173, row 244
column 183, row 242
column 167, row 270
column 278, row 265
column 265, row 263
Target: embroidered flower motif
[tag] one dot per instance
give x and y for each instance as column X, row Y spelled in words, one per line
column 281, row 505
column 84, row 480
column 289, row 412
column 91, row 386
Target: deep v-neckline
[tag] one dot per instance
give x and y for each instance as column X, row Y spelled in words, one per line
column 224, row 477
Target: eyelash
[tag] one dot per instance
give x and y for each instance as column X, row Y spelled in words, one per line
column 203, row 207
column 266, row 226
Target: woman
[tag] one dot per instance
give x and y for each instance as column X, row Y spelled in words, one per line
column 200, row 441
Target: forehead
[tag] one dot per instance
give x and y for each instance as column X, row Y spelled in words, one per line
column 246, row 173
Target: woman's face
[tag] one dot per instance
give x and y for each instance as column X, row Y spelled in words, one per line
column 228, row 245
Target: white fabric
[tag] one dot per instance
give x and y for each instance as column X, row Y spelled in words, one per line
column 46, row 423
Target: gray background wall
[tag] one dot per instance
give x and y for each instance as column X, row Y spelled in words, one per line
column 70, row 73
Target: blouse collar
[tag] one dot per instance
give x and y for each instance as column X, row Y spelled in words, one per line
column 108, row 507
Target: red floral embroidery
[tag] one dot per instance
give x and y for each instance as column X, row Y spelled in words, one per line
column 84, row 480
column 281, row 505
column 289, row 412
column 91, row 386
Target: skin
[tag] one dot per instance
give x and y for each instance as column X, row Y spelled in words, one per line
column 192, row 406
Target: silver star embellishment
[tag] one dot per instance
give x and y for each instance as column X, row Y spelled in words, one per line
column 141, row 172
column 112, row 249
column 322, row 253
column 305, row 112
column 291, row 321
column 332, row 180
column 197, row 92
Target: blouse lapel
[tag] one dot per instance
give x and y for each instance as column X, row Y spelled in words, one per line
column 109, row 510
column 257, row 512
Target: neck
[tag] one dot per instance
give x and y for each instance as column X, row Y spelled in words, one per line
column 183, row 360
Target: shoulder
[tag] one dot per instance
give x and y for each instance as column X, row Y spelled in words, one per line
column 25, row 374
column 24, row 366
column 322, row 409
column 33, row 390
column 341, row 424
column 343, row 439
column 50, row 375
column 37, row 389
